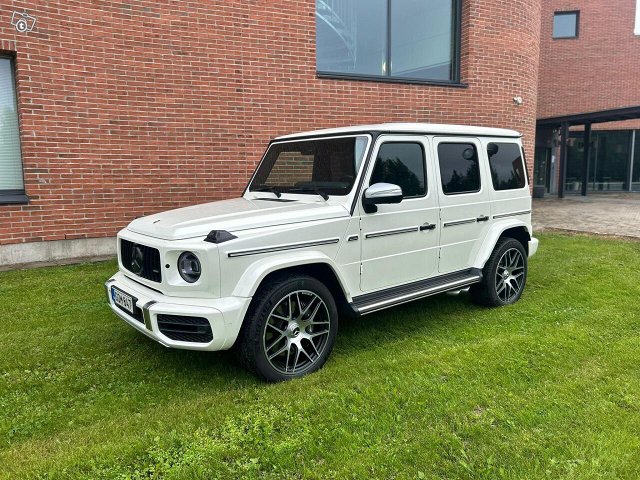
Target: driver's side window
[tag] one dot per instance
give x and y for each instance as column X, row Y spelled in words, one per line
column 402, row 164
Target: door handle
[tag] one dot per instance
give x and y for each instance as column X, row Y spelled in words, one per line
column 427, row 226
column 482, row 218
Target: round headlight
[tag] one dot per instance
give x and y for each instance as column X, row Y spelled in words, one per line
column 189, row 267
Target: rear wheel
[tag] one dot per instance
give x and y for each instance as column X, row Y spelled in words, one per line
column 290, row 329
column 504, row 275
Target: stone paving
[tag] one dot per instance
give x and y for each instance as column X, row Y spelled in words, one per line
column 607, row 214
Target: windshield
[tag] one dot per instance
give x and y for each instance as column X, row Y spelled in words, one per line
column 326, row 166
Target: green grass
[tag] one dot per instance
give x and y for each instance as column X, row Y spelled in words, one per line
column 546, row 388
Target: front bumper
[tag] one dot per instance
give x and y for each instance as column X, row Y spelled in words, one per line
column 224, row 315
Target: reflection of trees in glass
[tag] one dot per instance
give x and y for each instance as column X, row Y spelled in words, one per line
column 393, row 170
column 467, row 182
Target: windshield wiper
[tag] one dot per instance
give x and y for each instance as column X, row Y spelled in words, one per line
column 268, row 188
column 315, row 190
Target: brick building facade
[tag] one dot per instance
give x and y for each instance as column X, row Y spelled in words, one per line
column 594, row 67
column 131, row 107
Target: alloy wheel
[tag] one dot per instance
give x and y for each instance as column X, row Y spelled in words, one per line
column 510, row 275
column 296, row 332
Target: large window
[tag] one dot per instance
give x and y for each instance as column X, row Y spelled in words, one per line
column 507, row 167
column 11, row 182
column 566, row 24
column 402, row 40
column 401, row 164
column 317, row 167
column 459, row 168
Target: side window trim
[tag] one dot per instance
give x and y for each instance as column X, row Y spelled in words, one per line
column 417, row 141
column 477, row 145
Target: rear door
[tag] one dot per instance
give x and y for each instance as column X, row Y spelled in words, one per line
column 465, row 209
column 400, row 241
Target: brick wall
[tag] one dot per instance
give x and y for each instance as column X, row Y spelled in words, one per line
column 133, row 107
column 599, row 70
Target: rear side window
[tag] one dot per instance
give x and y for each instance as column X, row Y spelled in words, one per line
column 459, row 168
column 507, row 167
column 402, row 164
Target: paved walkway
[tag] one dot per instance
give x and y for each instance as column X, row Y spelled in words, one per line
column 609, row 214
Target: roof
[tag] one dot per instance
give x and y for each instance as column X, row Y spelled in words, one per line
column 426, row 128
column 602, row 116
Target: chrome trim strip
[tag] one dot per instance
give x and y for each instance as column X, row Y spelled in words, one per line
column 512, row 214
column 460, row 222
column 385, row 233
column 280, row 248
column 408, row 297
column 146, row 315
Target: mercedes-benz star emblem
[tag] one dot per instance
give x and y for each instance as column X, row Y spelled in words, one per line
column 137, row 260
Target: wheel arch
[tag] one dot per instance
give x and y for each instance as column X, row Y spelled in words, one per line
column 511, row 229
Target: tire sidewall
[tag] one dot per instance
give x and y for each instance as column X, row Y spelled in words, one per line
column 261, row 315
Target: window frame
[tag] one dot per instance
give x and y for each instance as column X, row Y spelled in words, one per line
column 456, row 40
column 478, row 150
column 15, row 196
column 424, row 164
column 565, row 13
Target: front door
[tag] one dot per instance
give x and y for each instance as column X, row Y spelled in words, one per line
column 465, row 210
column 400, row 241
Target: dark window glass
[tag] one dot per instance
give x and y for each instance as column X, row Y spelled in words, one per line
column 507, row 167
column 565, row 24
column 326, row 165
column 401, row 164
column 459, row 168
column 410, row 39
column 11, row 181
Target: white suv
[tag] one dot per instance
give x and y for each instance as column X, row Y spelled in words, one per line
column 334, row 222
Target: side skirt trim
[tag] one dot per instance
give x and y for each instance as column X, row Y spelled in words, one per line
column 372, row 302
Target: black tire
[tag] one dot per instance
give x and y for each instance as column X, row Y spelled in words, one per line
column 265, row 323
column 490, row 292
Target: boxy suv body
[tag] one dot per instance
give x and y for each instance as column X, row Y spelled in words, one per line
column 334, row 222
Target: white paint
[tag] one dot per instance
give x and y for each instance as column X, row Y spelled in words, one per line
column 389, row 249
column 637, row 29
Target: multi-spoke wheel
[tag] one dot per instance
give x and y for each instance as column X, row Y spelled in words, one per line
column 290, row 328
column 504, row 275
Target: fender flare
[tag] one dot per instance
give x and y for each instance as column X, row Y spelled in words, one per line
column 492, row 237
column 253, row 276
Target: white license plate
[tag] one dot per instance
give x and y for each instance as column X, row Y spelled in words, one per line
column 122, row 299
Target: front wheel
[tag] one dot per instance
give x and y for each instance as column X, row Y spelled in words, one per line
column 504, row 275
column 290, row 328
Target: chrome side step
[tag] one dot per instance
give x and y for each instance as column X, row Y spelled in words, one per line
column 373, row 302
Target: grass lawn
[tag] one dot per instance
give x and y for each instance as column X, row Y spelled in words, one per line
column 439, row 388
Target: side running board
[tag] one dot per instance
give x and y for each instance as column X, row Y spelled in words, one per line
column 372, row 302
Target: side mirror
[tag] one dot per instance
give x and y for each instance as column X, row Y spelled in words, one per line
column 380, row 193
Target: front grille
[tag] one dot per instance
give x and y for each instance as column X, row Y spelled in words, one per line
column 185, row 329
column 148, row 266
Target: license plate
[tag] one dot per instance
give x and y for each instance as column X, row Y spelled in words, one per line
column 122, row 299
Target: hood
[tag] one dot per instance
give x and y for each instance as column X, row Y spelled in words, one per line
column 231, row 215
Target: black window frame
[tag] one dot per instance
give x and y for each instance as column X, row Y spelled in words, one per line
column 462, row 142
column 15, row 196
column 424, row 165
column 565, row 13
column 455, row 80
